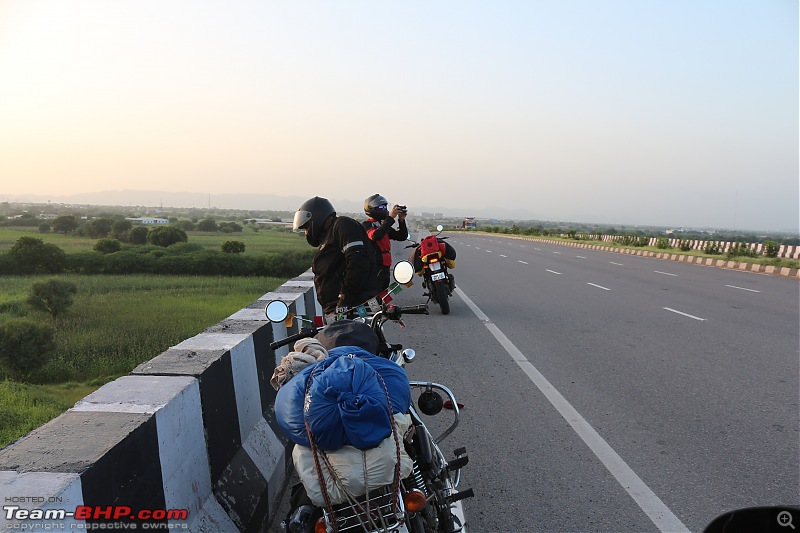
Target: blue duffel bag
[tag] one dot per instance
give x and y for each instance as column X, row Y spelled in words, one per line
column 346, row 402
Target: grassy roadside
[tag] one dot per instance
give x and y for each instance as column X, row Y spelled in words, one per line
column 116, row 323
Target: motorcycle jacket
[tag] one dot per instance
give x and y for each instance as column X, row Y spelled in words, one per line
column 344, row 265
column 380, row 233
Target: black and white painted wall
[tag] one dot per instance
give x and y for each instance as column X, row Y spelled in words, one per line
column 191, row 430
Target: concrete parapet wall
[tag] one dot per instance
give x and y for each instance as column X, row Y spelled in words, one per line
column 192, row 429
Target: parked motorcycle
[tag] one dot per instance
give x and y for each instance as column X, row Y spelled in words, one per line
column 431, row 258
column 427, row 500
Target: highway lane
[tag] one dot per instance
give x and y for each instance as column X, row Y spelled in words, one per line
column 701, row 406
column 695, row 417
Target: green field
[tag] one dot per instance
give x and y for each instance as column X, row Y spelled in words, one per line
column 256, row 242
column 115, row 323
column 118, row 322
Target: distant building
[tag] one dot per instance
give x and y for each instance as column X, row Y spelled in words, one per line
column 148, row 221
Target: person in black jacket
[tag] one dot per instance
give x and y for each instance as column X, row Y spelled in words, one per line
column 380, row 231
column 344, row 266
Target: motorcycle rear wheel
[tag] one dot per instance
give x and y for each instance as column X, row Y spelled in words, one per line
column 441, row 295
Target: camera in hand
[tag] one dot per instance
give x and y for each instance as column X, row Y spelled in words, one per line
column 403, row 208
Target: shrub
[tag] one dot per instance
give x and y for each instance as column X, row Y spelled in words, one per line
column 771, row 248
column 207, row 224
column 741, row 249
column 86, row 262
column 129, row 262
column 108, row 246
column 712, row 248
column 120, row 229
column 30, row 255
column 25, row 346
column 44, row 227
column 166, row 236
column 663, row 243
column 685, row 245
column 138, row 235
column 53, row 296
column 233, row 247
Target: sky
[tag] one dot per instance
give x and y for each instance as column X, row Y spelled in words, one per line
column 674, row 113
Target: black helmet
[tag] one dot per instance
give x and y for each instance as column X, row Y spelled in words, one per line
column 377, row 207
column 311, row 216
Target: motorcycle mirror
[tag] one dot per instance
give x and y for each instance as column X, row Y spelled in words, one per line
column 403, row 272
column 430, row 402
column 439, row 227
column 277, row 311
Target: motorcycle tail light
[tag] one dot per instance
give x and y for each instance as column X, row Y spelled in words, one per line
column 415, row 501
column 433, row 260
column 321, row 526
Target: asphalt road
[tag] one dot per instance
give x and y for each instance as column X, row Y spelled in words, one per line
column 606, row 392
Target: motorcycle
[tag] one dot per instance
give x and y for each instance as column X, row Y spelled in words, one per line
column 432, row 257
column 427, row 500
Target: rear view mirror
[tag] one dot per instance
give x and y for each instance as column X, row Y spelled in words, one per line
column 277, row 311
column 439, row 227
column 403, row 272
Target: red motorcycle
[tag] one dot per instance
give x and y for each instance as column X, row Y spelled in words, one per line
column 432, row 258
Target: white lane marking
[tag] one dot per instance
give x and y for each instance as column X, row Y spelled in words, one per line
column 488, row 251
column 554, row 272
column 539, row 249
column 684, row 314
column 665, row 273
column 559, row 253
column 645, row 498
column 523, row 262
column 618, row 264
column 741, row 288
column 477, row 248
column 501, row 255
column 599, row 286
column 580, row 257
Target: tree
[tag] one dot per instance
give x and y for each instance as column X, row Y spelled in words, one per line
column 138, row 235
column 44, row 227
column 166, row 235
column 53, row 296
column 65, row 224
column 207, row 224
column 100, row 227
column 185, row 225
column 30, row 255
column 108, row 246
column 25, row 346
column 233, row 247
column 120, row 229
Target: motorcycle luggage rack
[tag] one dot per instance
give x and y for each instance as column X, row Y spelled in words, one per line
column 353, row 518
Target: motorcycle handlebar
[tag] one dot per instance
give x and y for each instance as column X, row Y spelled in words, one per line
column 421, row 309
column 305, row 332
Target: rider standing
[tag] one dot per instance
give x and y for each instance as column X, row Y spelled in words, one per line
column 380, row 231
column 344, row 264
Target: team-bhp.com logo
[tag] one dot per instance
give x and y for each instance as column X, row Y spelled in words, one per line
column 123, row 517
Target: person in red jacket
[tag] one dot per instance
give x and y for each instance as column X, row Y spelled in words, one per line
column 381, row 233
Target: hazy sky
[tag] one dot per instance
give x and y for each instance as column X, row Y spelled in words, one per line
column 664, row 112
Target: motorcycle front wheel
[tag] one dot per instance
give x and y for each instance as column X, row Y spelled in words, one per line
column 441, row 295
